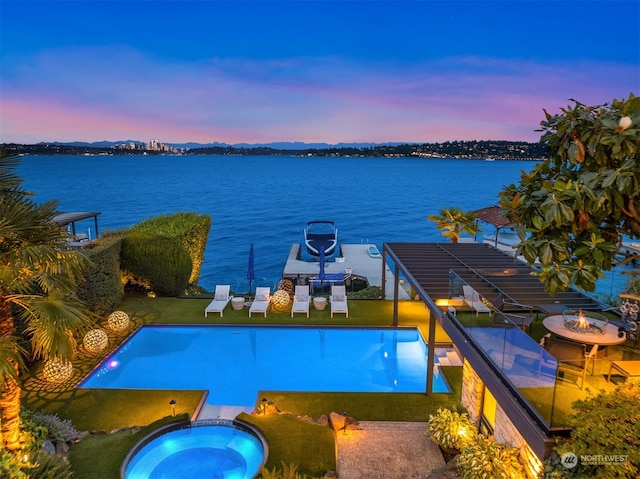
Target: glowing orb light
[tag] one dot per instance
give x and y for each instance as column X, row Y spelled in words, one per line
column 280, row 300
column 95, row 340
column 57, row 371
column 286, row 285
column 118, row 321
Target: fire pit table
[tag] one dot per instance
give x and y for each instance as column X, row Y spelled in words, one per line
column 584, row 327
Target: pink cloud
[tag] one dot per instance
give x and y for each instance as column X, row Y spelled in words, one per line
column 117, row 93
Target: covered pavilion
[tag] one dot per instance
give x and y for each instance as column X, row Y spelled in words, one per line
column 71, row 218
column 494, row 216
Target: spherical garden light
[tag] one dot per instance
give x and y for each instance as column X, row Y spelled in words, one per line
column 286, row 285
column 57, row 371
column 280, row 300
column 95, row 340
column 118, row 321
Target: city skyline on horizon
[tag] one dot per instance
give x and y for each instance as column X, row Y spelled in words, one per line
column 306, row 71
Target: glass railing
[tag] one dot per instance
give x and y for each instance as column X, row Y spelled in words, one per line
column 523, row 364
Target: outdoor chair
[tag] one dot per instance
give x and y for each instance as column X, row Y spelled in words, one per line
column 220, row 300
column 522, row 317
column 301, row 300
column 472, row 298
column 261, row 301
column 573, row 358
column 339, row 300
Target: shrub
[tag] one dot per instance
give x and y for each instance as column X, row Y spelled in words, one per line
column 157, row 263
column 288, row 471
column 102, row 289
column 32, row 434
column 12, row 466
column 370, row 292
column 38, row 427
column 50, row 466
column 451, row 430
column 604, row 425
column 484, row 458
column 58, row 429
column 189, row 230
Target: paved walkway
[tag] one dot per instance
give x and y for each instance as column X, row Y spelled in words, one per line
column 387, row 450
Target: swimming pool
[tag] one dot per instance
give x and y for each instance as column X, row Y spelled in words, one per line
column 210, row 449
column 234, row 363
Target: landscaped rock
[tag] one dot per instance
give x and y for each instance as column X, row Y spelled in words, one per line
column 340, row 422
column 323, row 420
column 271, row 408
column 48, row 447
column 336, row 421
column 62, row 448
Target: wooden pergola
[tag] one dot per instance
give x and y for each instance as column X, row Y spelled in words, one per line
column 493, row 215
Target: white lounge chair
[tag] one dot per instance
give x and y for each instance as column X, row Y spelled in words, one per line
column 339, row 300
column 261, row 301
column 220, row 300
column 301, row 300
column 472, row 298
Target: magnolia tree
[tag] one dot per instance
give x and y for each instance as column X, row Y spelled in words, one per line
column 575, row 208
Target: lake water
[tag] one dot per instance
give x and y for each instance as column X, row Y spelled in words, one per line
column 268, row 200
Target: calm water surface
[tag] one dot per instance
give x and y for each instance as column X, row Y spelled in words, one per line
column 268, row 200
column 233, row 364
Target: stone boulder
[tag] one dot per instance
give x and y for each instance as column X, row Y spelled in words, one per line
column 48, row 447
column 323, row 420
column 340, row 422
column 62, row 448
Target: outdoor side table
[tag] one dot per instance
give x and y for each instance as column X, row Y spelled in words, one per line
column 320, row 303
column 237, row 303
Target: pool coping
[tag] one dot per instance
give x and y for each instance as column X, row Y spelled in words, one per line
column 203, row 399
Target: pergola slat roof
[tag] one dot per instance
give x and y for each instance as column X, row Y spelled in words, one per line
column 488, row 270
column 71, row 218
column 493, row 215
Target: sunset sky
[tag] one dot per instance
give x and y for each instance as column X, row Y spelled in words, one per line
column 311, row 71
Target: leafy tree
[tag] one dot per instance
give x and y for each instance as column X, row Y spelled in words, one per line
column 37, row 284
column 575, row 208
column 454, row 222
column 605, row 426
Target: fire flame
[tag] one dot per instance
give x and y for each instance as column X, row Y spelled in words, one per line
column 582, row 321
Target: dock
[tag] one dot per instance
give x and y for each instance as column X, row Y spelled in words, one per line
column 353, row 261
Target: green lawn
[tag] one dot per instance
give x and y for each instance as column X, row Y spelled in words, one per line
column 101, row 455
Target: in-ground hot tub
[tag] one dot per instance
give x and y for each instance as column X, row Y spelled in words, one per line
column 208, row 448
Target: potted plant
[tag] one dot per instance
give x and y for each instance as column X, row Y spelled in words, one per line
column 451, row 430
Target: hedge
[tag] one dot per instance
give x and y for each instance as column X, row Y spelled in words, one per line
column 191, row 230
column 102, row 289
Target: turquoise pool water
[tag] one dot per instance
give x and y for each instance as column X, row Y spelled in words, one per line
column 214, row 451
column 234, row 363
